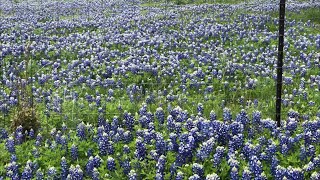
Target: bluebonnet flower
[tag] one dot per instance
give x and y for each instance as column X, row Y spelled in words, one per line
column 309, row 167
column 234, row 173
column 177, row 127
column 64, row 168
column 64, row 127
column 111, row 164
column 222, row 131
column 132, row 175
column 110, row 92
column 102, row 144
column 246, row 174
column 53, row 132
column 256, row 117
column 189, row 124
column 126, row 149
column 284, row 149
column 205, row 149
column 95, row 174
column 39, row 139
column 256, row 103
column 81, row 131
column 232, row 160
column 315, row 175
column 35, row 152
column 261, row 176
column 97, row 161
column 18, row 137
column 242, row 117
column 268, row 124
column 274, row 165
column 160, row 144
column 75, row 172
column 311, row 151
column 13, row 158
column 144, row 121
column 58, row 138
column 74, row 152
column 173, row 170
column 129, row 121
column 148, row 137
column 31, row 133
column 125, row 164
column 115, row 123
column 39, row 175
column 63, row 141
column 90, row 166
column 294, row 173
column 3, row 134
column 159, row 176
column 110, row 148
column 249, row 149
column 27, row 173
column 101, row 118
column 12, row 170
column 316, row 161
column 151, row 127
column 280, row 172
column 227, row 116
column 303, row 153
column 206, row 127
column 292, row 124
column 10, row 146
column 212, row 176
column 179, row 176
column 141, row 151
column 200, row 108
column 53, row 145
column 236, row 127
column 255, row 165
column 52, row 172
column 198, row 169
column 293, row 114
column 217, row 157
column 184, row 153
column 143, row 109
column 161, row 164
column 317, row 136
column 194, row 177
column 271, row 149
column 160, row 115
column 170, row 123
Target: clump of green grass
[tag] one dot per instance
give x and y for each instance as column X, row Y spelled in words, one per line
column 304, row 15
column 312, row 14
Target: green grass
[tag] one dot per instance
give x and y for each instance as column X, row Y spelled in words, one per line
column 304, row 15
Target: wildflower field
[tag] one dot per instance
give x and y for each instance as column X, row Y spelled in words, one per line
column 142, row 89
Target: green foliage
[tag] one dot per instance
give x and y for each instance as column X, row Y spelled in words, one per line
column 304, row 15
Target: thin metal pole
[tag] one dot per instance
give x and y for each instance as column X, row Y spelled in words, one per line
column 282, row 6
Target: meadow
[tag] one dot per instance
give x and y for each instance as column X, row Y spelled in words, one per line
column 142, row 89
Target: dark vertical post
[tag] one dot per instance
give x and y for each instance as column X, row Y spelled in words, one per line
column 282, row 6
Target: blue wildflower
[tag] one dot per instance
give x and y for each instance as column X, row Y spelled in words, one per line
column 111, row 164
column 74, row 152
